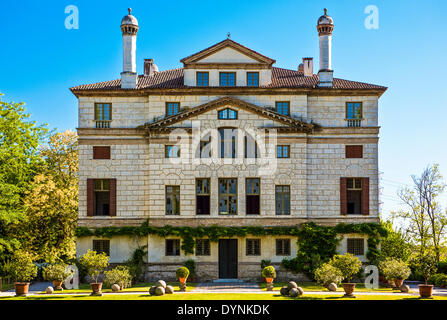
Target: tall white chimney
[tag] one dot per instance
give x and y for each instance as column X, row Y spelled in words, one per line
column 325, row 27
column 129, row 28
column 308, row 65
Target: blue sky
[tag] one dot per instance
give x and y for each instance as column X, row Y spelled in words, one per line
column 40, row 59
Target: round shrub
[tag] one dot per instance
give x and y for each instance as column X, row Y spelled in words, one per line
column 439, row 280
column 327, row 274
column 55, row 272
column 182, row 272
column 347, row 263
column 21, row 268
column 394, row 269
column 120, row 276
column 94, row 263
column 269, row 272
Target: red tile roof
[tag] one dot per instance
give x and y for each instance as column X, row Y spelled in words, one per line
column 281, row 78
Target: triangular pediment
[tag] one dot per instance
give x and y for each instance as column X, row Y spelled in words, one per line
column 286, row 121
column 227, row 51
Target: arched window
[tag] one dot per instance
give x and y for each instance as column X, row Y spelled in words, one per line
column 227, row 114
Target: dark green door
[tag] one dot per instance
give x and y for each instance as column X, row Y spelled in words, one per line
column 228, row 259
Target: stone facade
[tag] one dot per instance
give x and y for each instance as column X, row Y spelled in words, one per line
column 142, row 171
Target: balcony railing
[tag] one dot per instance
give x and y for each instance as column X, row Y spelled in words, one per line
column 102, row 123
column 353, row 123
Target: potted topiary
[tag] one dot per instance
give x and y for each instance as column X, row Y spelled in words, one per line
column 120, row 276
column 269, row 274
column 327, row 274
column 395, row 270
column 349, row 265
column 22, row 269
column 426, row 265
column 94, row 263
column 57, row 273
column 182, row 274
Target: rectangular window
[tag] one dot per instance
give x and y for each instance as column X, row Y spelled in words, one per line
column 228, row 142
column 203, row 247
column 282, row 200
column 102, row 197
column 228, row 196
column 252, row 194
column 172, row 108
column 253, row 79
column 354, row 195
column 250, row 147
column 282, row 151
column 203, row 196
column 173, row 200
column 101, row 246
column 227, row 79
column 283, row 247
column 282, row 107
column 101, row 152
column 352, row 152
column 103, row 115
column 172, row 247
column 354, row 114
column 202, row 79
column 172, row 152
column 356, row 246
column 253, row 247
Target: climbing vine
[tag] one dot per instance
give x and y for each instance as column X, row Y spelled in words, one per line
column 312, row 238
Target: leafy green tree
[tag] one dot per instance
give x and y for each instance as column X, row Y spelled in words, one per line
column 19, row 163
column 396, row 244
column 52, row 203
column 347, row 263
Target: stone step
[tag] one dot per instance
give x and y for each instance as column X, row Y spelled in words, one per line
column 228, row 281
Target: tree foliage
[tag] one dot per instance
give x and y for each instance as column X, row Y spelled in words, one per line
column 20, row 162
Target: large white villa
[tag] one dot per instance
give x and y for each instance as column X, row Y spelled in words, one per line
column 227, row 140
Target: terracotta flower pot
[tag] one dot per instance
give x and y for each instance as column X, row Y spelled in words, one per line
column 425, row 290
column 269, row 280
column 57, row 285
column 349, row 289
column 182, row 280
column 21, row 288
column 96, row 288
column 398, row 283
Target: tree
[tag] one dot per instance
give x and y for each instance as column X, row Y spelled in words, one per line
column 19, row 164
column 426, row 220
column 396, row 244
column 52, row 203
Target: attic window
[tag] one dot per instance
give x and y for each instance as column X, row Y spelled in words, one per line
column 227, row 114
column 253, row 79
column 227, row 79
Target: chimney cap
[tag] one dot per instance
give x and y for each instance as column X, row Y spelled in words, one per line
column 129, row 19
column 325, row 19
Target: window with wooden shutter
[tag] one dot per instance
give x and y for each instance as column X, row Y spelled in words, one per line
column 90, row 197
column 365, row 196
column 112, row 197
column 352, row 152
column 354, row 195
column 101, row 152
column 343, row 197
column 101, row 197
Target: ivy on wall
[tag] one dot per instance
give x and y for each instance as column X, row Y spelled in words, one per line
column 312, row 238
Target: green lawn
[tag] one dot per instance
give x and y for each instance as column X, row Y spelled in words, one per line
column 219, row 296
column 313, row 286
column 139, row 287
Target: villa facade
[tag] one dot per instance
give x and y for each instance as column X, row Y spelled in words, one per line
column 226, row 140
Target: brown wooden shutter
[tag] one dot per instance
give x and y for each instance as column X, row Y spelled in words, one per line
column 343, row 197
column 365, row 196
column 354, row 152
column 90, row 197
column 101, row 152
column 112, row 197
